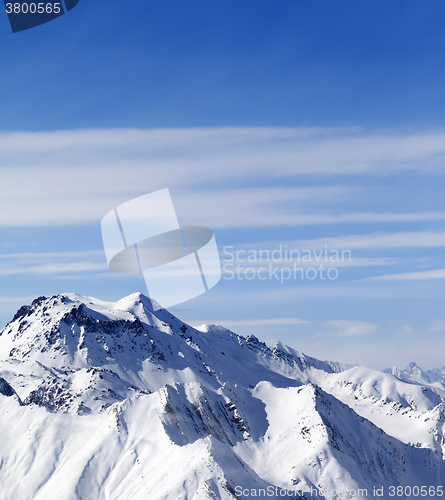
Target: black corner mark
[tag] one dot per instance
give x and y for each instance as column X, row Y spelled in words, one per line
column 26, row 14
column 70, row 4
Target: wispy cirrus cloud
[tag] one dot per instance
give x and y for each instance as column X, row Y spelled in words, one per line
column 75, row 176
column 251, row 322
column 290, row 206
column 52, row 263
column 415, row 239
column 352, row 328
column 438, row 325
column 432, row 274
column 239, row 150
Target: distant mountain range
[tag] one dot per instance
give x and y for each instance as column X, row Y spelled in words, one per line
column 415, row 374
column 124, row 401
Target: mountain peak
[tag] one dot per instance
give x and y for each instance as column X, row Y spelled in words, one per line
column 413, row 372
column 144, row 392
column 136, row 302
column 137, row 341
column 412, row 365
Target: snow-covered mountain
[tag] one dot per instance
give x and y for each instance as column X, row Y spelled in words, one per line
column 124, row 401
column 414, row 373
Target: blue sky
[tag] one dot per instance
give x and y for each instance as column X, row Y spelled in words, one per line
column 307, row 124
column 225, row 62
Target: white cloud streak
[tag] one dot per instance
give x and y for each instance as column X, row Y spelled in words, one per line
column 352, row 328
column 419, row 239
column 52, row 263
column 432, row 274
column 250, row 322
column 75, row 177
column 438, row 325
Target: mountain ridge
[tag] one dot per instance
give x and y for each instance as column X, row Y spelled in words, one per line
column 125, row 393
column 414, row 373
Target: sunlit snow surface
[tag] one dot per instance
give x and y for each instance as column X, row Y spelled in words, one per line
column 124, row 401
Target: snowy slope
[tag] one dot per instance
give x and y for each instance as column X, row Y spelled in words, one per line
column 124, row 401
